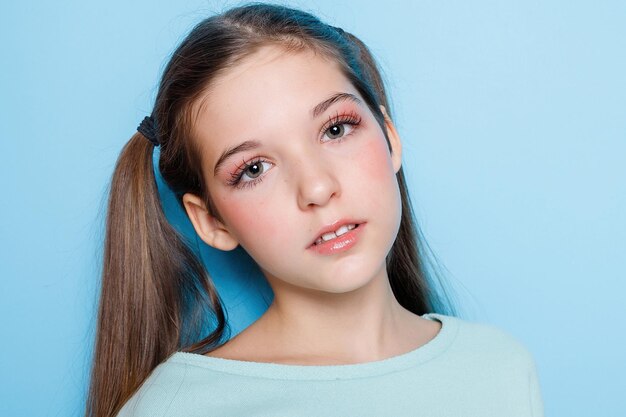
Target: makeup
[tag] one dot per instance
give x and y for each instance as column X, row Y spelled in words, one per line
column 338, row 244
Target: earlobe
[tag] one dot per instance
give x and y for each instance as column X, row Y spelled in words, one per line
column 209, row 228
column 394, row 140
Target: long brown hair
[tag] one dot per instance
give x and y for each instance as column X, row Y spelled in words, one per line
column 156, row 296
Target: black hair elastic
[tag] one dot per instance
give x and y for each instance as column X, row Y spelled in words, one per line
column 147, row 127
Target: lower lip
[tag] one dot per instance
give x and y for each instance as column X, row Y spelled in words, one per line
column 339, row 244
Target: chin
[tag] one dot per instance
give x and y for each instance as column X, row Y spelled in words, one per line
column 348, row 278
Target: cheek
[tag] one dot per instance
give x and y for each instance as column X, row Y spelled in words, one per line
column 251, row 221
column 373, row 162
column 374, row 180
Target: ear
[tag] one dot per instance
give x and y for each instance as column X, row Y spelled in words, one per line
column 210, row 230
column 394, row 140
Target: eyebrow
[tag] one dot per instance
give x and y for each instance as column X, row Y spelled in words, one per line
column 242, row 147
column 324, row 105
column 315, row 112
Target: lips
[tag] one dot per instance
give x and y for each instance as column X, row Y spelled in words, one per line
column 333, row 227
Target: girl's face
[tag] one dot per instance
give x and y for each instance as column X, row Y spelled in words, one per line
column 289, row 149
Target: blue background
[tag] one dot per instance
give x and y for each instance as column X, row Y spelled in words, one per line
column 513, row 117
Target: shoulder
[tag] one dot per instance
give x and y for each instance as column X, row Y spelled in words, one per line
column 158, row 392
column 487, row 343
column 484, row 358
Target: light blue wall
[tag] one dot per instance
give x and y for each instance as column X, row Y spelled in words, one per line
column 513, row 116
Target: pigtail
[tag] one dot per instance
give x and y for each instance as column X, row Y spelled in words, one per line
column 150, row 278
column 412, row 267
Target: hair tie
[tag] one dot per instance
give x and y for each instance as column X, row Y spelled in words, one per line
column 147, row 128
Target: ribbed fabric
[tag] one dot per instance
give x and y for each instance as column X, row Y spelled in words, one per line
column 468, row 369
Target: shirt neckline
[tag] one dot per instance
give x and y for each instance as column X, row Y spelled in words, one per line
column 433, row 348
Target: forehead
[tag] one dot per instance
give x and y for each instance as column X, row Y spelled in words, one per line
column 274, row 69
column 263, row 90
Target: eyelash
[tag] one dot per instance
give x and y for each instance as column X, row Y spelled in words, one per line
column 352, row 119
column 235, row 177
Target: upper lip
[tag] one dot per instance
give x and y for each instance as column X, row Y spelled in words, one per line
column 334, row 226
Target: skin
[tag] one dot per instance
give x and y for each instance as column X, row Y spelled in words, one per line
column 327, row 309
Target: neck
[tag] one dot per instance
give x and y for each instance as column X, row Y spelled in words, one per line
column 363, row 325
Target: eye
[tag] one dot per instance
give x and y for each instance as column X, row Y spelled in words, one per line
column 339, row 126
column 249, row 173
column 255, row 169
column 338, row 130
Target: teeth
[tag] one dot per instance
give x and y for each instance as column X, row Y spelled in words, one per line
column 331, row 235
column 342, row 230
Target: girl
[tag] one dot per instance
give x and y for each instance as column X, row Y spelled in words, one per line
column 274, row 134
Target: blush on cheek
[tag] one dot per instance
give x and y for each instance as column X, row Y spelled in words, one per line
column 250, row 220
column 374, row 159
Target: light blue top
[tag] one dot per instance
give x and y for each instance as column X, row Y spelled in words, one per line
column 467, row 369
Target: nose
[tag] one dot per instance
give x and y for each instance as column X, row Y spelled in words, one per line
column 316, row 181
